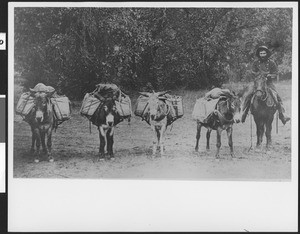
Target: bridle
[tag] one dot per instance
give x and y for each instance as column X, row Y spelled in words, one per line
column 222, row 118
column 159, row 104
column 45, row 110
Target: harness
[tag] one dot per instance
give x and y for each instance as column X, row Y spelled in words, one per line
column 222, row 118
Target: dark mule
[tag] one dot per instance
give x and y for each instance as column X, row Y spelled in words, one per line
column 263, row 108
column 226, row 113
column 157, row 110
column 106, row 118
column 41, row 120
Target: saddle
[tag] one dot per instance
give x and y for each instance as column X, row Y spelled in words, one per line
column 270, row 99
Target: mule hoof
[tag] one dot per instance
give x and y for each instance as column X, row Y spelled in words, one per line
column 101, row 156
column 36, row 160
column 217, row 159
column 196, row 149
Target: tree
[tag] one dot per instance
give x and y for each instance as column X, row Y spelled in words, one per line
column 72, row 49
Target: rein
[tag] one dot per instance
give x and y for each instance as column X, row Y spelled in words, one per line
column 250, row 132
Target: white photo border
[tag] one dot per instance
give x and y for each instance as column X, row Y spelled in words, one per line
column 86, row 205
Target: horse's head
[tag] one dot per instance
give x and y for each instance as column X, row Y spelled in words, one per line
column 157, row 108
column 42, row 109
column 110, row 113
column 260, row 86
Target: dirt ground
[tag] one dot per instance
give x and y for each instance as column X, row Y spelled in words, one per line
column 75, row 151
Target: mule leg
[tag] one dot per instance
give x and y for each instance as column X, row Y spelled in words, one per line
column 230, row 143
column 33, row 137
column 219, row 131
column 162, row 139
column 49, row 145
column 110, row 142
column 102, row 137
column 43, row 143
column 198, row 134
column 38, row 145
column 155, row 140
column 208, row 138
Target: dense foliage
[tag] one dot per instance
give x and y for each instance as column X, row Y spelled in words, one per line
column 73, row 49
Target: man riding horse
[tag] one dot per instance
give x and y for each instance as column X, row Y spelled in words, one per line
column 267, row 68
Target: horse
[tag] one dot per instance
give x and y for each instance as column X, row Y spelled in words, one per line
column 157, row 110
column 263, row 107
column 42, row 121
column 106, row 117
column 226, row 112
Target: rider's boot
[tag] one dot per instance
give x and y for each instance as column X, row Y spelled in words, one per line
column 284, row 119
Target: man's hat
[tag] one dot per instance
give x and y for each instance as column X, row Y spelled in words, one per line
column 261, row 48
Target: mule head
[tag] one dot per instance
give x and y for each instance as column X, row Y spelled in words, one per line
column 110, row 112
column 42, row 106
column 235, row 108
column 157, row 108
column 230, row 108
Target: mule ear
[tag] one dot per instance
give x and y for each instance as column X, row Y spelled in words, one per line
column 146, row 94
column 32, row 92
column 162, row 98
column 49, row 94
column 163, row 93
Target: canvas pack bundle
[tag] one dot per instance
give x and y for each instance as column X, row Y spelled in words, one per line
column 141, row 106
column 89, row 105
column 124, row 106
column 176, row 108
column 62, row 108
column 217, row 92
column 104, row 91
column 25, row 104
column 203, row 108
column 177, row 104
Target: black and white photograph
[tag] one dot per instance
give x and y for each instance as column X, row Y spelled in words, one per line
column 184, row 99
